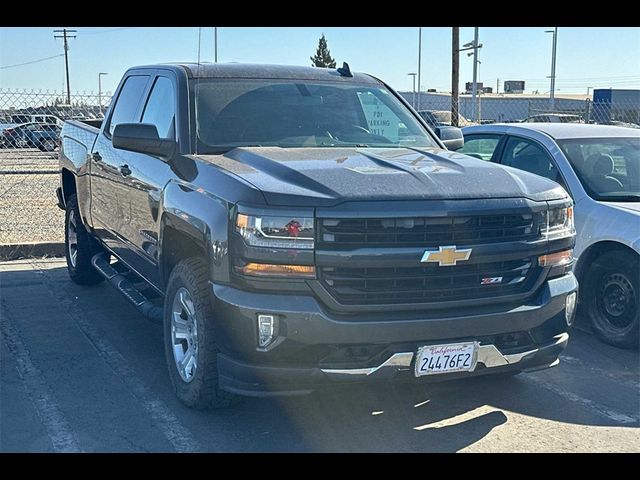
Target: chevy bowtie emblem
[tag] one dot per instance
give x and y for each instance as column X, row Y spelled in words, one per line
column 446, row 256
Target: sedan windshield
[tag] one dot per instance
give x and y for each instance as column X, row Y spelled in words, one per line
column 245, row 112
column 608, row 168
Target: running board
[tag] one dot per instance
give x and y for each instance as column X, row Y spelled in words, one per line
column 123, row 285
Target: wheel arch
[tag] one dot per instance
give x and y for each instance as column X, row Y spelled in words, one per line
column 179, row 239
column 68, row 183
column 594, row 251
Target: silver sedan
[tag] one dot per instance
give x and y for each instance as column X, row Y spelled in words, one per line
column 600, row 168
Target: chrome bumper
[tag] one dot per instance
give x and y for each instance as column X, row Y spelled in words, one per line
column 488, row 355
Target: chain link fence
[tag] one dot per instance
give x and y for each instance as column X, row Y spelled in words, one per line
column 30, row 123
column 437, row 109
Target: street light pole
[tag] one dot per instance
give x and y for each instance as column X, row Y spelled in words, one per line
column 552, row 93
column 419, row 62
column 100, row 90
column 413, row 103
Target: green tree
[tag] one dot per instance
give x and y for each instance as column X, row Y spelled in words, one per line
column 323, row 57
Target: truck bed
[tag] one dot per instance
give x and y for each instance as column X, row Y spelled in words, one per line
column 77, row 139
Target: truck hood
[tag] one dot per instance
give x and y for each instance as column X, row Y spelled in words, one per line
column 325, row 176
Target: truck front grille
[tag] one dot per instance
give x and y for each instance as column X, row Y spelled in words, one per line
column 428, row 283
column 426, row 231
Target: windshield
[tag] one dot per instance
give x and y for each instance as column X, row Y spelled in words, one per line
column 247, row 112
column 608, row 168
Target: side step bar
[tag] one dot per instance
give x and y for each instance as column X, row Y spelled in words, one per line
column 118, row 281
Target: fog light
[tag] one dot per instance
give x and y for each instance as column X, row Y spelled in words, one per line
column 570, row 307
column 266, row 330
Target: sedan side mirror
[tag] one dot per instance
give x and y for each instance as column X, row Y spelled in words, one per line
column 142, row 138
column 450, row 136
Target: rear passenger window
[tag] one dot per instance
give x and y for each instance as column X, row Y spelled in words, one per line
column 128, row 101
column 160, row 109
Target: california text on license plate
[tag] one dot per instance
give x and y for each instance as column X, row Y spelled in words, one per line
column 454, row 357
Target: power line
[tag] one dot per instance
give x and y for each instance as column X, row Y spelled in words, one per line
column 97, row 32
column 32, row 61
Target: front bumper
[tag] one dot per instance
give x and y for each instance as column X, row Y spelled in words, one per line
column 296, row 362
column 256, row 380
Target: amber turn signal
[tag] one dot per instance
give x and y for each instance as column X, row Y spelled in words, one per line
column 556, row 259
column 270, row 270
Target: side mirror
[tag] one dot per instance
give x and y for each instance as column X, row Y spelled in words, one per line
column 450, row 136
column 142, row 138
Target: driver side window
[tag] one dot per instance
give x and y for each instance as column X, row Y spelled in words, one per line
column 529, row 156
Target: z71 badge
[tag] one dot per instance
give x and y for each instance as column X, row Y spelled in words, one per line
column 491, row 280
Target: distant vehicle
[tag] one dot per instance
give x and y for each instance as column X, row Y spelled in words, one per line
column 442, row 118
column 554, row 118
column 35, row 118
column 622, row 124
column 600, row 167
column 31, row 135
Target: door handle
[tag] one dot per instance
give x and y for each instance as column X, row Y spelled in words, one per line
column 125, row 170
column 95, row 156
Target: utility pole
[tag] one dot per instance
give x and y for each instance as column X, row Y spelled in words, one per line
column 552, row 93
column 100, row 90
column 455, row 74
column 65, row 35
column 413, row 103
column 474, row 87
column 419, row 63
column 215, row 38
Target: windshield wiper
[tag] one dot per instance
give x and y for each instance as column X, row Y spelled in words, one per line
column 219, row 149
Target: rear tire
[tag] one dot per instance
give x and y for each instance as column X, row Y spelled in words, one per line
column 612, row 298
column 79, row 247
column 189, row 338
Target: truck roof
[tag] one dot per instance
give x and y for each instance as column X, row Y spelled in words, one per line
column 252, row 70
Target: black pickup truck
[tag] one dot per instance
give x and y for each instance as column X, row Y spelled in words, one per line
column 295, row 227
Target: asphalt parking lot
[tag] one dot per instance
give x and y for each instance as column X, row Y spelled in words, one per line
column 81, row 370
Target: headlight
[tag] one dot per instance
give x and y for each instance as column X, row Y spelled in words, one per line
column 559, row 222
column 276, row 232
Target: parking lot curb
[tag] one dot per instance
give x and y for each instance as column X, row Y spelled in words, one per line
column 31, row 250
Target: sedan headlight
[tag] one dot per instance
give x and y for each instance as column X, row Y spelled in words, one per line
column 559, row 222
column 276, row 232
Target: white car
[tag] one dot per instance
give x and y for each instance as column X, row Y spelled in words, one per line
column 600, row 168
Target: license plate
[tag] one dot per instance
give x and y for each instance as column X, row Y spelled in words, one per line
column 454, row 357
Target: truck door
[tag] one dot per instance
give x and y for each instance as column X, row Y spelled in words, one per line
column 107, row 166
column 144, row 182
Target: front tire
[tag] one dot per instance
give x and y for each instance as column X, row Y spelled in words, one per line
column 79, row 247
column 190, row 347
column 612, row 298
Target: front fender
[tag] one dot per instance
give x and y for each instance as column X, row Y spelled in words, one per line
column 203, row 218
